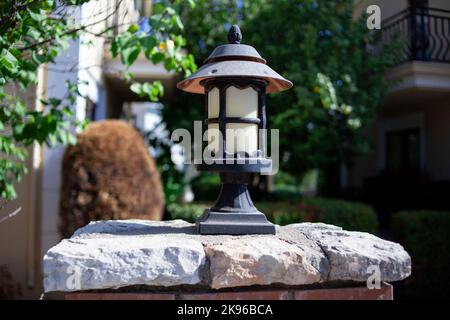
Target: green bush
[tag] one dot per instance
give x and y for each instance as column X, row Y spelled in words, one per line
column 349, row 215
column 206, row 187
column 280, row 212
column 188, row 212
column 425, row 235
column 284, row 193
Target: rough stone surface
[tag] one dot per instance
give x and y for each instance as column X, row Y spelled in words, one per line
column 259, row 261
column 353, row 255
column 114, row 254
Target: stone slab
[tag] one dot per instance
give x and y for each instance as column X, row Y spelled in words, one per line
column 121, row 253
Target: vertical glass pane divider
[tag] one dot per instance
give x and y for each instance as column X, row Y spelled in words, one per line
column 222, row 116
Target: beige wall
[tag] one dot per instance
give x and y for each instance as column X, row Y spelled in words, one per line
column 20, row 234
column 439, row 4
column 423, row 100
column 433, row 119
column 25, row 237
column 437, row 139
column 436, row 134
column 388, row 7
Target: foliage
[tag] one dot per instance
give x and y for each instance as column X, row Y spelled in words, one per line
column 346, row 214
column 108, row 174
column 349, row 215
column 188, row 212
column 205, row 27
column 206, row 186
column 162, row 44
column 281, row 212
column 338, row 83
column 309, row 42
column 425, row 235
column 33, row 33
column 30, row 35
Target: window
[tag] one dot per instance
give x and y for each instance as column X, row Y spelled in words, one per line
column 403, row 151
column 91, row 107
column 143, row 7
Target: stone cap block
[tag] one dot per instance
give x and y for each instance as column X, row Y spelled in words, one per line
column 120, row 253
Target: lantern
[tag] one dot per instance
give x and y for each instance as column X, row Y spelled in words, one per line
column 235, row 80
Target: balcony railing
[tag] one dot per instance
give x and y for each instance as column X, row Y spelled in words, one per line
column 423, row 31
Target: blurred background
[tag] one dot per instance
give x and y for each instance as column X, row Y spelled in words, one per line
column 364, row 132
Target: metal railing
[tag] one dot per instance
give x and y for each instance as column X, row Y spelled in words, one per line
column 424, row 33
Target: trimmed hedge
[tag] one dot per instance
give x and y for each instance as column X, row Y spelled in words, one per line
column 346, row 214
column 426, row 236
column 206, row 186
column 188, row 212
column 281, row 212
column 349, row 215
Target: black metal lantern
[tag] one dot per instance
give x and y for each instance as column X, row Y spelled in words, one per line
column 235, row 80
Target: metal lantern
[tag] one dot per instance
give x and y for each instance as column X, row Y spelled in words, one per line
column 235, row 80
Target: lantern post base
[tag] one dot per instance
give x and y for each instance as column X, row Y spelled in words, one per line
column 234, row 212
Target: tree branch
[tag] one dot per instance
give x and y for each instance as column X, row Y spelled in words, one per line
column 72, row 31
column 12, row 214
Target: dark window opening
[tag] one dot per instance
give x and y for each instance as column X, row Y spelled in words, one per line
column 91, row 107
column 403, row 151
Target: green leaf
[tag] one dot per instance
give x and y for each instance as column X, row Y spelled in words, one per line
column 133, row 28
column 177, row 22
column 114, row 48
column 129, row 55
column 158, row 8
column 191, row 3
column 148, row 42
column 8, row 60
column 71, row 139
column 157, row 57
column 136, row 88
column 36, row 15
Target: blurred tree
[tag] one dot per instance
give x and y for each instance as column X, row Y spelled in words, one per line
column 33, row 33
column 206, row 27
column 338, row 82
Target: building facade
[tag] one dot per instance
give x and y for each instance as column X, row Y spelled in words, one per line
column 28, row 235
column 409, row 166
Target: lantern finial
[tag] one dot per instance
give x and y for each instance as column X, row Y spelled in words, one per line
column 234, row 34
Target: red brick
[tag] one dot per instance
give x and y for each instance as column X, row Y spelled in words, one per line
column 119, row 296
column 241, row 295
column 356, row 293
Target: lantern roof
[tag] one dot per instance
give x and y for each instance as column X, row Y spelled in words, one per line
column 234, row 60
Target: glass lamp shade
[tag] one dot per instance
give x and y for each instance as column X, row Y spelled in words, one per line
column 239, row 103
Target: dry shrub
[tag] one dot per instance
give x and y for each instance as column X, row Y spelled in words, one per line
column 9, row 288
column 108, row 174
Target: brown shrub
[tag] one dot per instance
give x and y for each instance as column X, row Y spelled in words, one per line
column 108, row 174
column 9, row 287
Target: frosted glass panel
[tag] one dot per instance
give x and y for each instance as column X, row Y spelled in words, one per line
column 213, row 135
column 213, row 103
column 241, row 137
column 242, row 103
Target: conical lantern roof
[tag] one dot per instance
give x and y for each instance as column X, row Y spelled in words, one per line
column 234, row 60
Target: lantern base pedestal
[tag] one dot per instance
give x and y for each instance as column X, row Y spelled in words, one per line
column 212, row 222
column 234, row 212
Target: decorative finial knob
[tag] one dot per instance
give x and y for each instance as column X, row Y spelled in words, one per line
column 234, row 34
